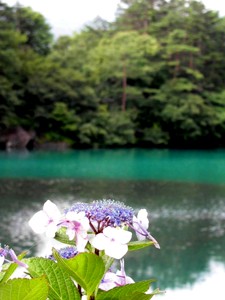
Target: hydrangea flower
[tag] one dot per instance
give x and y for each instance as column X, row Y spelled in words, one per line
column 77, row 227
column 104, row 213
column 112, row 280
column 113, row 241
column 66, row 252
column 4, row 252
column 46, row 220
column 140, row 225
column 109, row 281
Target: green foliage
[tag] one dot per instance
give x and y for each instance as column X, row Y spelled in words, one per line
column 86, row 269
column 130, row 291
column 34, row 26
column 155, row 136
column 108, row 129
column 160, row 62
column 120, row 130
column 62, row 237
column 24, row 289
column 136, row 245
column 60, row 283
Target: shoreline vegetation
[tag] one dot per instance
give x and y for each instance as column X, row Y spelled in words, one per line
column 153, row 78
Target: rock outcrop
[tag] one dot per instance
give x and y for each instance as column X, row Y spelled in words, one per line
column 17, row 138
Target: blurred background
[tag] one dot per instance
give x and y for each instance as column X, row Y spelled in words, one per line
column 122, row 100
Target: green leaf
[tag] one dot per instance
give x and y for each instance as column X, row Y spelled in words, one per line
column 136, row 245
column 139, row 296
column 132, row 291
column 61, row 285
column 24, row 289
column 87, row 269
column 10, row 269
column 62, row 237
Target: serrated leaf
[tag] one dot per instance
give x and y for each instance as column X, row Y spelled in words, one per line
column 127, row 292
column 139, row 296
column 61, row 285
column 24, row 289
column 136, row 245
column 10, row 269
column 87, row 269
column 62, row 237
column 4, row 269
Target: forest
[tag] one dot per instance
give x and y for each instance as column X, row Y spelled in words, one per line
column 154, row 77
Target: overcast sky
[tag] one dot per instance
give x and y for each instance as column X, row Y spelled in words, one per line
column 68, row 16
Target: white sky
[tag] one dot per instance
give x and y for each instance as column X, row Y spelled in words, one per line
column 68, row 16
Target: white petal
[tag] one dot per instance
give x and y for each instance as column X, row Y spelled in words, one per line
column 109, row 276
column 81, row 215
column 123, row 236
column 116, row 250
column 78, row 217
column 2, row 258
column 121, row 279
column 135, row 223
column 118, row 234
column 100, row 241
column 72, row 216
column 51, row 230
column 82, row 232
column 129, row 280
column 51, row 210
column 140, row 237
column 39, row 221
column 110, row 232
column 71, row 233
column 108, row 282
column 81, row 243
column 85, row 223
column 143, row 218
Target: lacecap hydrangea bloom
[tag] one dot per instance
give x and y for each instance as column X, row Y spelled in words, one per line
column 103, row 224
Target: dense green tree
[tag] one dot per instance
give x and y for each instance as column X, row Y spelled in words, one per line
column 34, row 26
column 108, row 129
column 10, row 66
column 121, row 58
column 153, row 77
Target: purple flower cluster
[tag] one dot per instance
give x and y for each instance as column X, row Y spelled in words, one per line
column 105, row 213
column 66, row 252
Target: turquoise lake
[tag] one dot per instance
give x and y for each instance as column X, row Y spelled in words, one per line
column 183, row 191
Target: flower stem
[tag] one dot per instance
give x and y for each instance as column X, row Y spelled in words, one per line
column 79, row 289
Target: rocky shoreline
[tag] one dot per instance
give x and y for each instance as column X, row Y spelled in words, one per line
column 20, row 139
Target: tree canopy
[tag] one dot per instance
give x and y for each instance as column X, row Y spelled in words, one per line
column 154, row 77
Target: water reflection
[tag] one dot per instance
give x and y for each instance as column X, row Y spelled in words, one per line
column 187, row 219
column 209, row 285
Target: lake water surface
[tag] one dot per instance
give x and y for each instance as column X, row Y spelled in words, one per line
column 184, row 192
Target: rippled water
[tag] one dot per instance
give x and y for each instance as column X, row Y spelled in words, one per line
column 187, row 214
